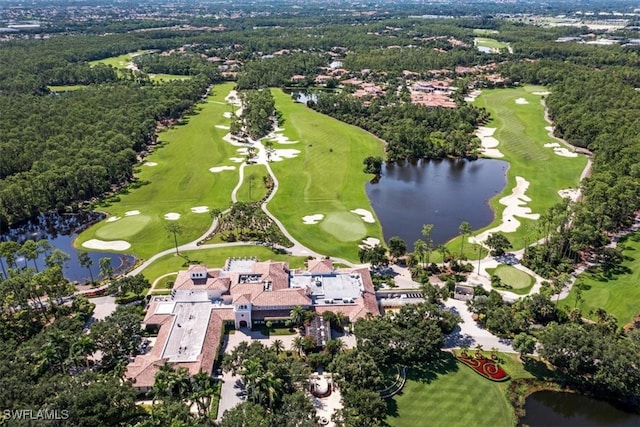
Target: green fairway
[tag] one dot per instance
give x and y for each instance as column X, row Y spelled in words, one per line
column 253, row 187
column 618, row 294
column 215, row 258
column 325, row 178
column 490, row 43
column 66, row 88
column 520, row 281
column 484, row 32
column 520, row 128
column 344, row 226
column 453, row 395
column 179, row 180
column 120, row 61
column 161, row 78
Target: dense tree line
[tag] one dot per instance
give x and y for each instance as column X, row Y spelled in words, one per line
column 68, row 148
column 184, row 64
column 410, row 131
column 278, row 70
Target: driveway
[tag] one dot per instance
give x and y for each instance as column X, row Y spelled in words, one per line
column 104, row 307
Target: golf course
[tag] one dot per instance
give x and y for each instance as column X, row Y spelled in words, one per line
column 179, row 185
column 539, row 165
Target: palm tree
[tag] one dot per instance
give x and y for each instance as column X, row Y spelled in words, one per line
column 277, row 346
column 297, row 315
column 465, row 230
column 298, row 345
column 251, row 372
column 202, row 388
column 85, row 261
column 83, row 347
column 106, row 270
column 175, row 229
column 419, row 249
column 268, row 145
column 427, row 229
column 29, row 251
column 269, row 386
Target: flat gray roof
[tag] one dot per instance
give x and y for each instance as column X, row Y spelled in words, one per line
column 187, row 332
column 334, row 286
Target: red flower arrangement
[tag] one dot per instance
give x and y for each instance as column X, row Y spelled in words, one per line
column 485, row 367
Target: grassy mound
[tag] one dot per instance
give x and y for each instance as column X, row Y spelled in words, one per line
column 344, row 226
column 123, row 228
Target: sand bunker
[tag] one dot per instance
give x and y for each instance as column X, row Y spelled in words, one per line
column 150, row 164
column 312, row 219
column 234, row 140
column 521, row 101
column 365, row 214
column 239, row 112
column 286, row 153
column 541, row 93
column 236, row 159
column 232, row 98
column 369, row 242
column 552, row 145
column 570, row 193
column 200, row 209
column 281, row 139
column 223, row 127
column 221, row 168
column 132, row 213
column 113, row 219
column 101, row 245
column 561, row 151
column 172, row 216
column 488, row 142
column 227, row 115
column 471, row 96
column 515, row 206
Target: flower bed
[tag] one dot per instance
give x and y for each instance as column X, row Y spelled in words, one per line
column 485, row 367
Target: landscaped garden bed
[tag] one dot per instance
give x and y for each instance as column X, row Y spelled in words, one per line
column 488, row 368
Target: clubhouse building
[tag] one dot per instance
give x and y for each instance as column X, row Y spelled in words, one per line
column 245, row 292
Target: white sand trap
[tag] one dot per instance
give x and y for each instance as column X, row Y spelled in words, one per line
column 113, row 219
column 242, row 151
column 369, row 242
column 488, row 142
column 102, row 245
column 312, row 219
column 561, row 151
column 552, row 145
column 541, row 93
column 471, row 96
column 239, row 112
column 365, row 214
column 281, row 139
column 200, row 209
column 570, row 193
column 286, row 153
column 221, row 168
column 132, row 213
column 232, row 98
column 150, row 164
column 223, row 127
column 236, row 159
column 227, row 115
column 521, row 101
column 172, row 216
column 515, row 206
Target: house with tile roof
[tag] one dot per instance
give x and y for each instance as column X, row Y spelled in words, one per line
column 245, row 292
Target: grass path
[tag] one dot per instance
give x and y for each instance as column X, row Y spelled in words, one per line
column 619, row 293
column 179, row 180
column 325, row 178
column 520, row 128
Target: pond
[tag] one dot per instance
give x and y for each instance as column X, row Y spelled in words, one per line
column 60, row 231
column 552, row 408
column 439, row 192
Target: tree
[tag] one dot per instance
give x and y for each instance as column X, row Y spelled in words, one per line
column 57, row 258
column 397, row 247
column 85, row 261
column 106, row 270
column 118, row 336
column 362, row 408
column 29, row 251
column 376, row 255
column 297, row 315
column 268, row 147
column 246, row 414
column 277, row 346
column 297, row 345
column 427, row 229
column 498, row 243
column 524, row 344
column 202, row 389
column 465, row 230
column 373, row 165
column 175, row 229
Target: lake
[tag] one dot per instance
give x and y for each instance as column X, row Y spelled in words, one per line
column 552, row 408
column 439, row 192
column 60, row 231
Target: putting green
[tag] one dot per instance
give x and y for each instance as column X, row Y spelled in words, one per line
column 344, row 226
column 513, row 277
column 125, row 227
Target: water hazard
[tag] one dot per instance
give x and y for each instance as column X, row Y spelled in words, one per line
column 552, row 408
column 60, row 231
column 439, row 192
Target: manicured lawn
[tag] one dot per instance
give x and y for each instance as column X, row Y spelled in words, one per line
column 520, row 281
column 618, row 294
column 164, row 282
column 490, row 43
column 160, row 78
column 325, row 178
column 452, row 394
column 66, row 88
column 179, row 181
column 120, row 61
column 215, row 258
column 484, row 32
column 253, row 187
column 520, row 128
